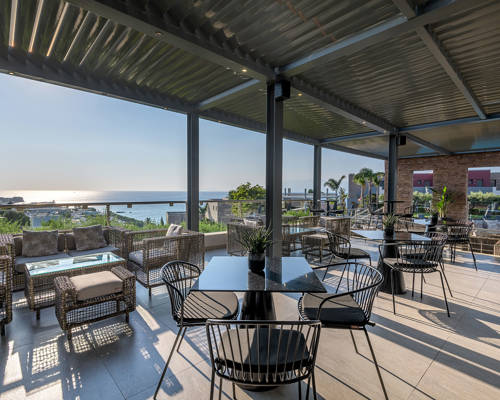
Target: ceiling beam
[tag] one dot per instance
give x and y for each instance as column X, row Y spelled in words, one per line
column 342, row 107
column 442, row 57
column 429, row 145
column 355, row 136
column 222, row 97
column 162, row 27
column 496, row 149
column 434, row 12
column 349, row 150
column 461, row 121
column 33, row 66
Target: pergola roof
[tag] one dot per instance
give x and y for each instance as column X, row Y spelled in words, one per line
column 359, row 69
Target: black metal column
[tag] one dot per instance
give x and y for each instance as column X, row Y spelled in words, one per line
column 392, row 173
column 274, row 167
column 193, row 171
column 317, row 177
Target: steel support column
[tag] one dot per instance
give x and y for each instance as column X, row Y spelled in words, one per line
column 392, row 173
column 193, row 171
column 317, row 177
column 274, row 168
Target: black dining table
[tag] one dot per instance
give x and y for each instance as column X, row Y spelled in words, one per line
column 388, row 252
column 285, row 275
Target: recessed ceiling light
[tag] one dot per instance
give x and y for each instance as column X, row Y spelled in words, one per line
column 219, row 120
column 364, row 122
column 244, row 70
column 166, row 108
column 300, row 94
column 158, row 34
column 11, row 73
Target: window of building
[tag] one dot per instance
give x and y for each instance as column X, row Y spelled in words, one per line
column 479, row 182
column 471, row 181
column 419, row 182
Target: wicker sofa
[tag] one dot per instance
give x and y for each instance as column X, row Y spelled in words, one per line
column 149, row 250
column 114, row 236
column 5, row 292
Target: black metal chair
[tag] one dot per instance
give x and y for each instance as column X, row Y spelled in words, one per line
column 191, row 309
column 415, row 257
column 263, row 353
column 459, row 234
column 348, row 309
column 340, row 247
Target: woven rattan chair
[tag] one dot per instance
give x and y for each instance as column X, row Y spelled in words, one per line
column 5, row 292
column 415, row 257
column 350, row 308
column 150, row 250
column 234, row 232
column 191, row 309
column 459, row 234
column 260, row 353
column 340, row 247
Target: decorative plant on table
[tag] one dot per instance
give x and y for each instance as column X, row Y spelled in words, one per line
column 256, row 241
column 389, row 222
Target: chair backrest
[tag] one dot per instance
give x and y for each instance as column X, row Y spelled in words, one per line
column 359, row 281
column 179, row 276
column 339, row 245
column 263, row 352
column 417, row 254
column 234, row 232
column 459, row 232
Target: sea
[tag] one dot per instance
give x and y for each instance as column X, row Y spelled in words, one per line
column 153, row 211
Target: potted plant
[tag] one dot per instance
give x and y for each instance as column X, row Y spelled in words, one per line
column 444, row 200
column 389, row 222
column 256, row 241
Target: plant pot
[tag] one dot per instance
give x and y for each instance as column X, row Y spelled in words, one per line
column 434, row 219
column 256, row 261
column 389, row 232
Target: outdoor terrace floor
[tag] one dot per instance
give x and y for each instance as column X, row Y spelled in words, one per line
column 423, row 353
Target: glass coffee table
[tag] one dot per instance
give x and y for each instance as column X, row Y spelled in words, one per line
column 40, row 275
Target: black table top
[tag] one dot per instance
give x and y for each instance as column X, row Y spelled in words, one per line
column 286, row 274
column 379, row 235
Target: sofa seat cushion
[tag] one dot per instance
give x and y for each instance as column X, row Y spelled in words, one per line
column 89, row 238
column 76, row 253
column 158, row 260
column 38, row 244
column 96, row 284
column 21, row 261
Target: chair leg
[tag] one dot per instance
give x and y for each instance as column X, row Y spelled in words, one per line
column 182, row 338
column 413, row 285
column 445, row 279
column 421, row 285
column 220, row 388
column 3, row 330
column 376, row 364
column 392, row 288
column 300, row 390
column 234, row 391
column 473, row 256
column 166, row 364
column 314, row 386
column 324, row 276
column 353, row 341
column 308, row 386
column 444, row 293
column 370, row 258
column 212, row 385
column 149, row 292
column 340, row 280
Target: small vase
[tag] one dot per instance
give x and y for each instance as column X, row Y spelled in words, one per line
column 389, row 232
column 434, row 219
column 256, row 261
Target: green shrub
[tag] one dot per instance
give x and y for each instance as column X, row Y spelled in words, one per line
column 298, row 213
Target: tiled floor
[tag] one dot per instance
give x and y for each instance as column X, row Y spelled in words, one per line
column 423, row 353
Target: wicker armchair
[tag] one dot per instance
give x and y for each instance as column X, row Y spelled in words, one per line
column 150, row 250
column 5, row 292
column 71, row 312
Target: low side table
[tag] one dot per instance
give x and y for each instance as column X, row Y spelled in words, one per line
column 39, row 289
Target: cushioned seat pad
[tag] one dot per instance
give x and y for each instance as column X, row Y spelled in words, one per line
column 354, row 253
column 21, row 261
column 287, row 350
column 413, row 263
column 157, row 261
column 76, row 253
column 96, row 284
column 200, row 306
column 342, row 310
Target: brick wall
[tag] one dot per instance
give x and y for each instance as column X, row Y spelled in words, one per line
column 450, row 171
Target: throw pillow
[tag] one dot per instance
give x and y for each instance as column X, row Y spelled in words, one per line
column 89, row 238
column 38, row 244
column 174, row 230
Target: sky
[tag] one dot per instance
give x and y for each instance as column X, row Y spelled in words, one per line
column 55, row 138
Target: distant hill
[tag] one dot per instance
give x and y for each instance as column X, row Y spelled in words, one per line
column 11, row 200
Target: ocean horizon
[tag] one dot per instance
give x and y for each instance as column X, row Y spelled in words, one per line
column 153, row 211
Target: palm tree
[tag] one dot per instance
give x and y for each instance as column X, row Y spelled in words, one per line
column 378, row 177
column 360, row 180
column 334, row 184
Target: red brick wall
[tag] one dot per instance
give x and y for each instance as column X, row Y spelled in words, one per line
column 450, row 171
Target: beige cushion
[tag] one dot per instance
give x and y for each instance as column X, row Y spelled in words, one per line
column 157, row 261
column 97, row 284
column 254, row 223
column 37, row 244
column 89, row 237
column 174, row 230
